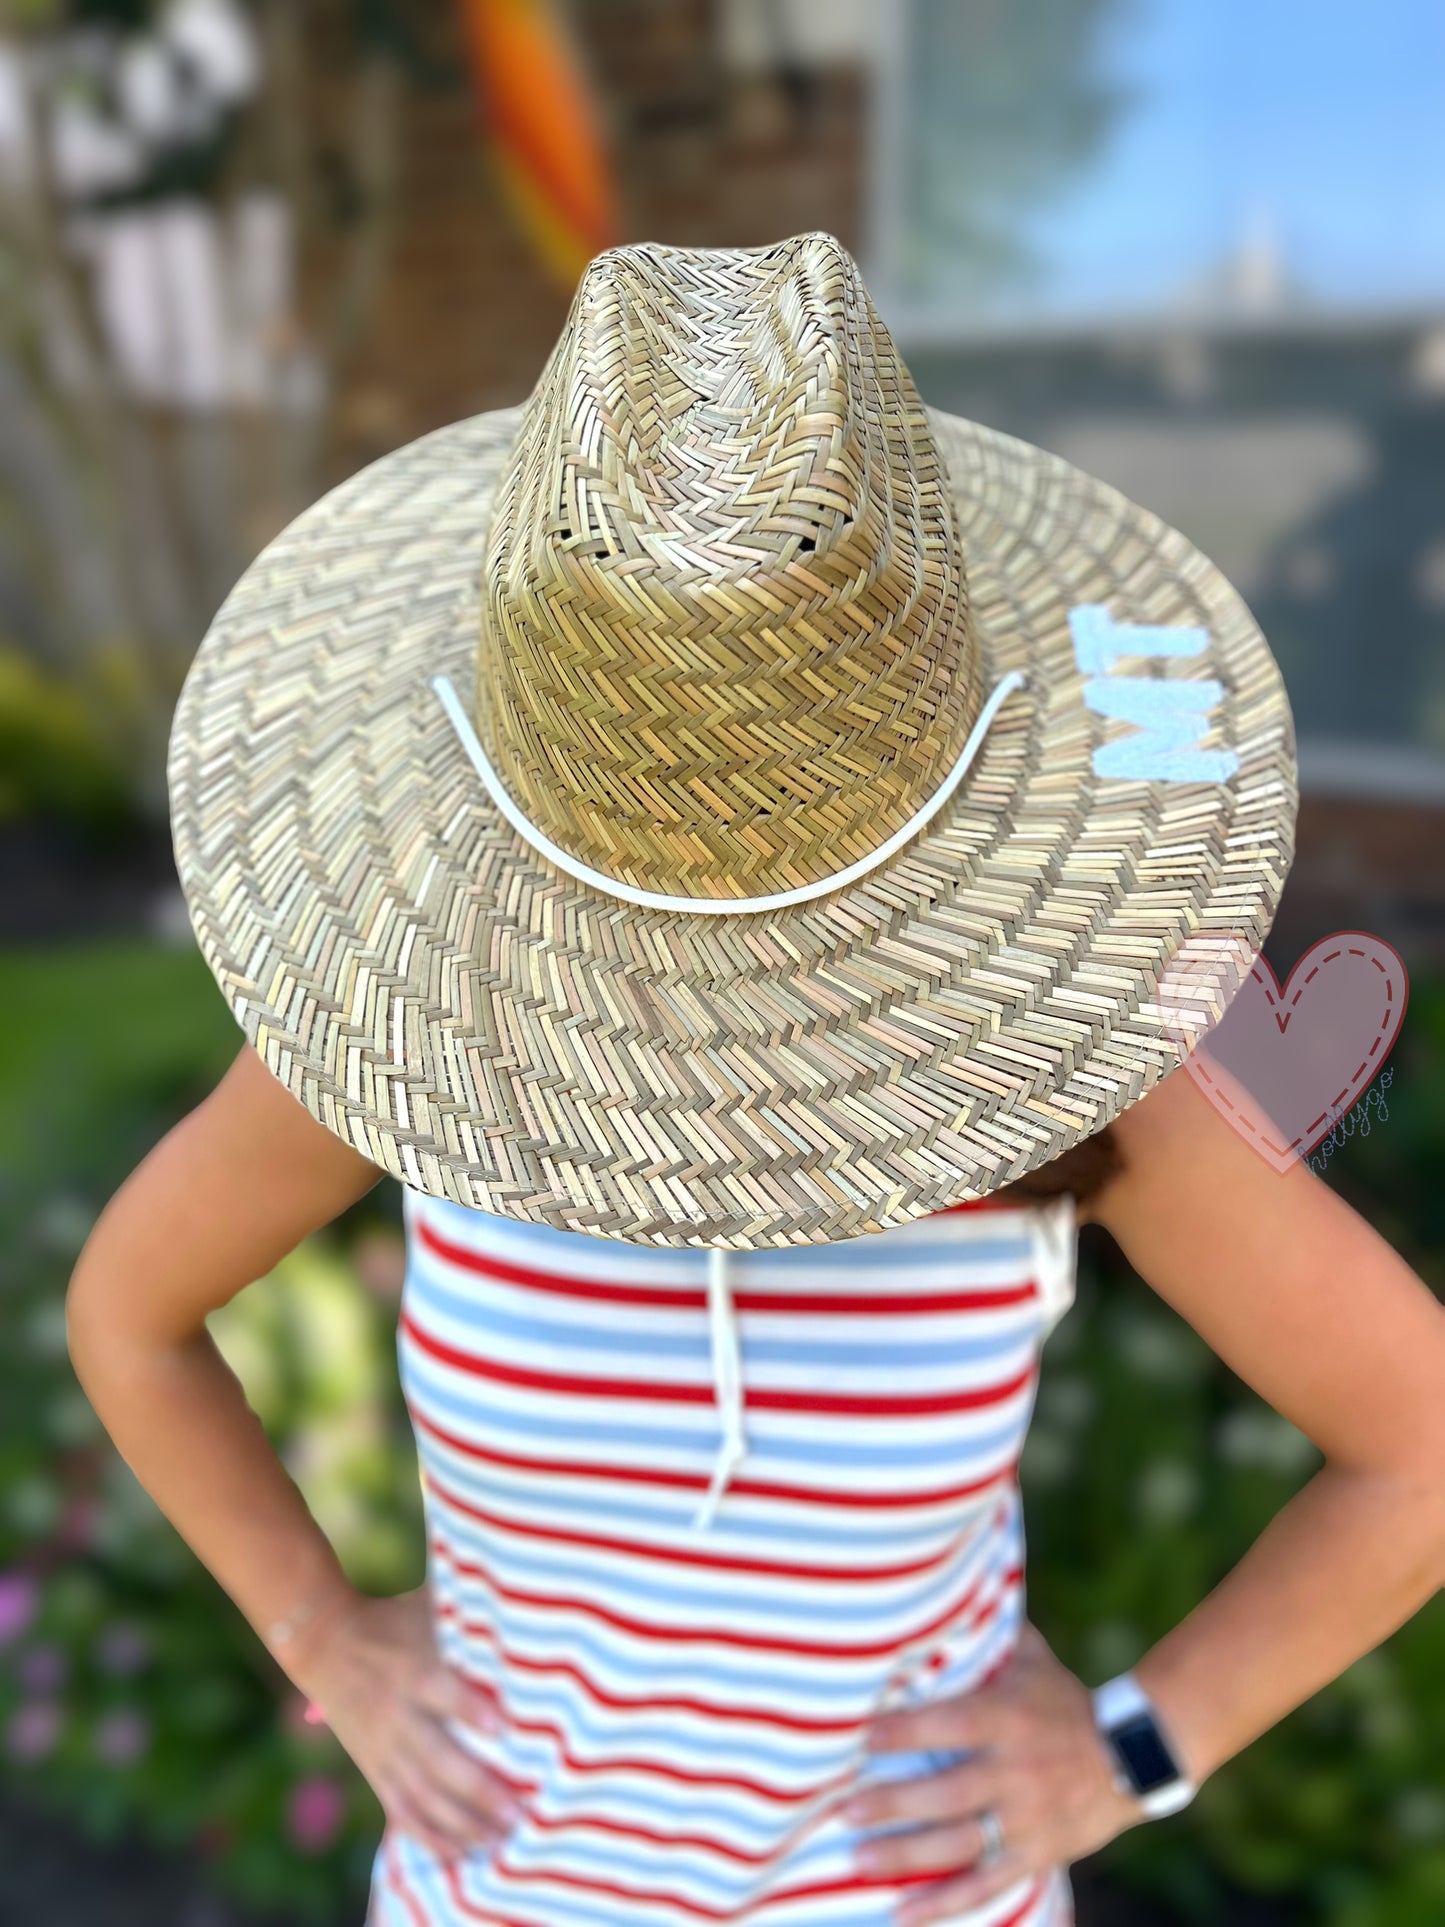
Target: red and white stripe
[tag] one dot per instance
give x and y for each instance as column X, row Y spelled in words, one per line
column 682, row 1708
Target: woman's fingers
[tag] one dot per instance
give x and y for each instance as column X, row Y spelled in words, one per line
column 441, row 1690
column 404, row 1716
column 966, row 1788
column 457, row 1797
column 465, row 1779
column 464, row 1821
column 408, row 1809
column 947, row 1899
column 979, row 1717
column 944, row 1849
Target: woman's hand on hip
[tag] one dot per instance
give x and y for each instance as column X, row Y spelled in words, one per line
column 375, row 1672
column 1041, row 1768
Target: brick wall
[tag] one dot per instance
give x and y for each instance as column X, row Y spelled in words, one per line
column 704, row 158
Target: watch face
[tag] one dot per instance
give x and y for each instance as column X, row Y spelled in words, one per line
column 1146, row 1759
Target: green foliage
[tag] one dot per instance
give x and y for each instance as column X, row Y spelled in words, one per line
column 134, row 1697
column 55, row 757
column 1006, row 103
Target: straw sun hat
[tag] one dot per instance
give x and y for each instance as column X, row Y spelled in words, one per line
column 721, row 800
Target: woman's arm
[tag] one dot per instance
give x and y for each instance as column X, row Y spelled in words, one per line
column 234, row 1187
column 1315, row 1311
column 237, row 1184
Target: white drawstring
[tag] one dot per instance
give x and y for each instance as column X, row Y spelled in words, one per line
column 719, row 906
column 727, row 1370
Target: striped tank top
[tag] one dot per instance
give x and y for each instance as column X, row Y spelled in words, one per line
column 693, row 1519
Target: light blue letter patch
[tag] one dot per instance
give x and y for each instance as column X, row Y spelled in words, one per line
column 1170, row 715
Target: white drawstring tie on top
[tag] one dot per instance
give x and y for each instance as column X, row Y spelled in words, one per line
column 727, row 1372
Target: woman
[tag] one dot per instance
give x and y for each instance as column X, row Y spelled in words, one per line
column 750, row 992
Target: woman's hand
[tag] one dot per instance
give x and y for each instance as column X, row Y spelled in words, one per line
column 1043, row 1770
column 373, row 1668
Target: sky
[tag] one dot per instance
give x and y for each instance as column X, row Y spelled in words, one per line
column 1321, row 120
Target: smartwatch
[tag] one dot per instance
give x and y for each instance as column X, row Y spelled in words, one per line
column 1145, row 1765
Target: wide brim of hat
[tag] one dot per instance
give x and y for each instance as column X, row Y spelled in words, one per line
column 491, row 1031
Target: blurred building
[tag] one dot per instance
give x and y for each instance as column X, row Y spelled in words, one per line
column 391, row 289
column 1302, row 452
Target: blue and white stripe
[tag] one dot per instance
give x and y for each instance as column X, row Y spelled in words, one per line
column 682, row 1709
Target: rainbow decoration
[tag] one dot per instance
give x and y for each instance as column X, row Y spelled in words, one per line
column 545, row 130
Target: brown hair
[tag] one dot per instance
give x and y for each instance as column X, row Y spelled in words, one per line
column 1082, row 1169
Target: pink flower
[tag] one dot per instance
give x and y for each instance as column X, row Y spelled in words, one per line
column 42, row 1669
column 122, row 1737
column 33, row 1730
column 315, row 1812
column 19, row 1602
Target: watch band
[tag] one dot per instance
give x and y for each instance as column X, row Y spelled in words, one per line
column 1147, row 1767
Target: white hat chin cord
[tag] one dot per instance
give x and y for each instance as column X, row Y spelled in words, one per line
column 720, row 906
column 722, row 1313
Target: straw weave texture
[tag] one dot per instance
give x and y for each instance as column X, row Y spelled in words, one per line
column 725, row 625
column 492, row 1031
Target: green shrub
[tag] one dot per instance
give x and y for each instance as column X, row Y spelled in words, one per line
column 56, row 759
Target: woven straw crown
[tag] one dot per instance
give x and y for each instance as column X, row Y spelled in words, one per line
column 726, row 646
